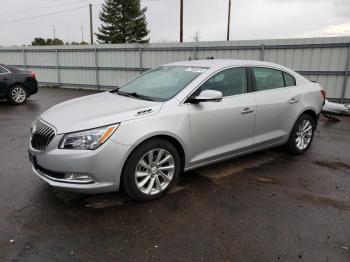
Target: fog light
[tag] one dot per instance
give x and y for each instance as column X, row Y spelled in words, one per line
column 78, row 178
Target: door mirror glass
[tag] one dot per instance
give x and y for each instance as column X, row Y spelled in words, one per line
column 208, row 96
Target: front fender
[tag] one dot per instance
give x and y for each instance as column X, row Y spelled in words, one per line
column 174, row 124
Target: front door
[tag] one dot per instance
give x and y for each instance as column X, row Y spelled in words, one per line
column 219, row 129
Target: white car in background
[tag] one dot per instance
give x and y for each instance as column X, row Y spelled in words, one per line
column 331, row 108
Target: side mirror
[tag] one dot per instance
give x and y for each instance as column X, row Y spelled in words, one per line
column 207, row 96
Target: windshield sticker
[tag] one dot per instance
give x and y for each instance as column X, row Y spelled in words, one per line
column 196, row 69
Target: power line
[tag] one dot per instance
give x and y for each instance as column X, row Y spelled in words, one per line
column 37, row 16
column 42, row 7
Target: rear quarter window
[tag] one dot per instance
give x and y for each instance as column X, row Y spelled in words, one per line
column 289, row 80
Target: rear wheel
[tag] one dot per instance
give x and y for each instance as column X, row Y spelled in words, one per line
column 18, row 95
column 302, row 135
column 151, row 170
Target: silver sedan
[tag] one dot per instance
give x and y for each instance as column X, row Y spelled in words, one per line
column 171, row 119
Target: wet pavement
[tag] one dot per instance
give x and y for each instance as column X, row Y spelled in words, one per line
column 269, row 206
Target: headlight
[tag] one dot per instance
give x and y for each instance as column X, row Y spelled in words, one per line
column 88, row 139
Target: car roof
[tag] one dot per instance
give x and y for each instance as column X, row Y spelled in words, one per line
column 221, row 63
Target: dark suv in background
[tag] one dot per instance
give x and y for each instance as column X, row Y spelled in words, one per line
column 16, row 85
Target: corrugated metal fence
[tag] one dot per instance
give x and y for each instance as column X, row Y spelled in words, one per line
column 325, row 60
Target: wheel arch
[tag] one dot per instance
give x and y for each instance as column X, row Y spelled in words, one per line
column 170, row 138
column 309, row 111
column 18, row 84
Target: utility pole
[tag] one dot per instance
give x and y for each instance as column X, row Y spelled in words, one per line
column 68, row 34
column 228, row 20
column 54, row 32
column 181, row 19
column 82, row 33
column 91, row 28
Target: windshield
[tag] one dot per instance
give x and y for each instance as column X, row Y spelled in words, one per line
column 162, row 83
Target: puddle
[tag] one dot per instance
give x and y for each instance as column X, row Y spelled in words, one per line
column 267, row 180
column 324, row 201
column 100, row 201
column 332, row 164
column 106, row 200
column 176, row 188
column 235, row 166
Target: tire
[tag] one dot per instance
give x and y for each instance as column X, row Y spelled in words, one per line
column 156, row 177
column 298, row 143
column 18, row 95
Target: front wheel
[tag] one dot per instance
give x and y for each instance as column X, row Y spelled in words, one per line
column 151, row 170
column 302, row 135
column 18, row 95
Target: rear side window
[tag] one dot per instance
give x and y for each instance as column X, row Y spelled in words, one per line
column 266, row 78
column 2, row 70
column 13, row 69
column 288, row 79
column 230, row 82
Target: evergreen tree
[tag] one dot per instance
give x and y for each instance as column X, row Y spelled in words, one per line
column 123, row 21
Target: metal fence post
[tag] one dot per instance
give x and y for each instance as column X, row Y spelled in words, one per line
column 140, row 60
column 58, row 69
column 195, row 53
column 262, row 52
column 96, row 69
column 24, row 58
column 346, row 75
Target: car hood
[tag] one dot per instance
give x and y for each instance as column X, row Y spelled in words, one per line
column 97, row 110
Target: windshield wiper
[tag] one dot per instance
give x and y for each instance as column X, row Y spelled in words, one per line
column 133, row 94
column 115, row 90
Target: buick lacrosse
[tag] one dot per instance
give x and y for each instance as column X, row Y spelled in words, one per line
column 171, row 119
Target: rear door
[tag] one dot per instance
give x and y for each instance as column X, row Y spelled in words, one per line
column 278, row 104
column 218, row 129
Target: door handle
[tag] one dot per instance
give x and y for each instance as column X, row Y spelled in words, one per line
column 293, row 100
column 247, row 110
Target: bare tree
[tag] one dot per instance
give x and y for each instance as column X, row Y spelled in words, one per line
column 196, row 37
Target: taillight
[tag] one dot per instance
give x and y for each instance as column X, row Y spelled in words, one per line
column 323, row 93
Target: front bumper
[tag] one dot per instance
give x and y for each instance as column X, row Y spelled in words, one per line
column 103, row 165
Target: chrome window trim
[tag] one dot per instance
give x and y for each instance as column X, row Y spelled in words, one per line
column 275, row 68
column 269, row 90
column 183, row 102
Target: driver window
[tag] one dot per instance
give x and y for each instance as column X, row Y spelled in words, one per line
column 230, row 82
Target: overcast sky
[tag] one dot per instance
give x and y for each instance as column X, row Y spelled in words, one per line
column 251, row 19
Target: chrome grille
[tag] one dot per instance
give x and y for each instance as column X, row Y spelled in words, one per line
column 41, row 135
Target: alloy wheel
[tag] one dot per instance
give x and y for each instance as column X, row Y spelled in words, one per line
column 154, row 171
column 18, row 94
column 303, row 134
